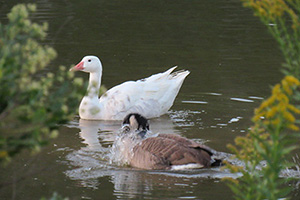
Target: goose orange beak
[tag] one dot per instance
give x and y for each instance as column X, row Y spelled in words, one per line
column 78, row 67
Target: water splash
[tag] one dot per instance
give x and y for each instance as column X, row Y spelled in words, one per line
column 121, row 151
column 295, row 172
column 182, row 118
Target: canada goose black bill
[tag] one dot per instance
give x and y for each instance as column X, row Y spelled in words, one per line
column 166, row 151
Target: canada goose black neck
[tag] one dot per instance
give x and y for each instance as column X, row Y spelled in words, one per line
column 136, row 121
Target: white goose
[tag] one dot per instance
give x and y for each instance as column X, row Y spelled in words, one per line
column 152, row 96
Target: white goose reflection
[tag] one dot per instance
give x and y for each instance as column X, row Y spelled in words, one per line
column 92, row 132
column 98, row 133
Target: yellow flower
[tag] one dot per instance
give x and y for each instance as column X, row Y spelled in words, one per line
column 267, row 103
column 265, row 136
column 292, row 80
column 293, row 127
column 286, row 87
column 282, row 98
column 235, row 168
column 276, row 121
column 3, row 154
column 261, row 11
column 282, row 107
column 258, row 116
column 293, row 109
column 276, row 89
column 289, row 117
column 271, row 113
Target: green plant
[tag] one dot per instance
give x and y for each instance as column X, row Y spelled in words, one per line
column 281, row 17
column 264, row 150
column 33, row 102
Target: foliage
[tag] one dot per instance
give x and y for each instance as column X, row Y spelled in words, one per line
column 282, row 19
column 269, row 142
column 32, row 101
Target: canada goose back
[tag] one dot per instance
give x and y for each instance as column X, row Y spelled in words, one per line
column 167, row 150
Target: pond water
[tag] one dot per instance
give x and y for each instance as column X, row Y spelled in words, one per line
column 233, row 62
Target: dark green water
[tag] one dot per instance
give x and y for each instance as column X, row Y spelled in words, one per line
column 233, row 62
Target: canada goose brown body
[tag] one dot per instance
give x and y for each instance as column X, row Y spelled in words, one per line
column 166, row 150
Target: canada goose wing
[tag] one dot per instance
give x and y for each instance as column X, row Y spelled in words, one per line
column 187, row 142
column 161, row 153
column 145, row 159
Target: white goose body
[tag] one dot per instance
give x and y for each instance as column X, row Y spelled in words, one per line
column 152, row 96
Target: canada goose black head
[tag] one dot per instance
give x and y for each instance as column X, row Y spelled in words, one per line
column 135, row 122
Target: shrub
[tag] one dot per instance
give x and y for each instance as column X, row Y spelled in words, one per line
column 33, row 102
column 264, row 150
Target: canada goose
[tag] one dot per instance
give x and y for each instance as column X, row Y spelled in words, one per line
column 164, row 151
column 152, row 96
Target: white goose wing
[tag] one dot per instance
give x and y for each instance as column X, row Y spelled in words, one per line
column 150, row 97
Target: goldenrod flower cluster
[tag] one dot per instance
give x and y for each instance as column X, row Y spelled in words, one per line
column 277, row 110
column 274, row 115
column 273, row 10
column 268, row 140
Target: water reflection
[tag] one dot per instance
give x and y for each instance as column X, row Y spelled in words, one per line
column 92, row 132
column 137, row 184
column 131, row 184
column 95, row 133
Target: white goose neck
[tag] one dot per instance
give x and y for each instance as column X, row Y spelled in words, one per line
column 94, row 84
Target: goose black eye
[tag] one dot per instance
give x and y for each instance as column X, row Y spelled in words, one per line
column 89, row 60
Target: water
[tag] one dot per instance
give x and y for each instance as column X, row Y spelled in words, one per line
column 233, row 62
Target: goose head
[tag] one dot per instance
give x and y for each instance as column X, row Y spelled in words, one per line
column 88, row 64
column 135, row 122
